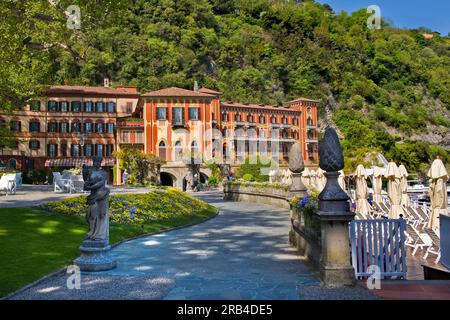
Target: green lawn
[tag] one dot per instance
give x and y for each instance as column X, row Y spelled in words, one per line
column 35, row 242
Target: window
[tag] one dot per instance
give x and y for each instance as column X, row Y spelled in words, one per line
column 99, row 128
column 100, row 106
column 88, row 127
column 310, row 122
column 64, row 127
column 29, row 164
column 52, row 150
column 178, row 116
column 262, row 119
column 12, row 163
column 237, row 117
column 88, row 150
column 273, row 120
column 129, row 107
column 63, row 150
column 224, row 117
column 161, row 113
column 178, row 151
column 99, row 150
column 284, row 120
column 111, row 107
column 52, row 127
column 109, row 150
column 110, row 128
column 15, row 126
column 76, row 106
column 35, row 126
column 35, row 105
column 53, row 106
column 34, row 144
column 75, row 150
column 88, row 106
column 162, row 150
column 249, row 118
column 309, row 110
column 194, row 114
column 76, row 127
column 64, row 106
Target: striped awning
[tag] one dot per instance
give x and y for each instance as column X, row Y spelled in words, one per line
column 78, row 162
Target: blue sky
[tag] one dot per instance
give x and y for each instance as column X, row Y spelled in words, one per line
column 433, row 14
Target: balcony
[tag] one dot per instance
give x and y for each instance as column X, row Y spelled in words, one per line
column 179, row 124
column 240, row 124
column 131, row 137
column 130, row 123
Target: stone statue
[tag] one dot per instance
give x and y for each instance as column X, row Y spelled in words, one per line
column 95, row 254
column 296, row 166
column 98, row 202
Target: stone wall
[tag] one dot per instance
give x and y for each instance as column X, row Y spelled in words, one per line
column 274, row 196
column 305, row 235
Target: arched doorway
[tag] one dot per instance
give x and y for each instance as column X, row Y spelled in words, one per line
column 203, row 178
column 12, row 164
column 167, row 179
column 162, row 150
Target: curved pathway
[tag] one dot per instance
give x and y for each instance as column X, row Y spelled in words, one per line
column 243, row 253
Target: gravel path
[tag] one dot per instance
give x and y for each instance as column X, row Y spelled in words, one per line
column 241, row 254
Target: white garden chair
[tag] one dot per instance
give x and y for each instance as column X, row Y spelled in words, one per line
column 60, row 184
column 417, row 240
column 76, row 184
column 435, row 246
column 8, row 183
column 18, row 179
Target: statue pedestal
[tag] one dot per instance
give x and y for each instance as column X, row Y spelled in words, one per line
column 95, row 256
column 334, row 215
column 297, row 184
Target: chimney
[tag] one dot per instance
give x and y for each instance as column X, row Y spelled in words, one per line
column 106, row 82
column 196, row 86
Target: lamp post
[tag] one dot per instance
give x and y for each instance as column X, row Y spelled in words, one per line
column 83, row 137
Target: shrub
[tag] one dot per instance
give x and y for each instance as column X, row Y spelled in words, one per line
column 248, row 177
column 37, row 176
column 258, row 167
column 213, row 181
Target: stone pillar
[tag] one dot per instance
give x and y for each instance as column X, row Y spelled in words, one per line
column 334, row 215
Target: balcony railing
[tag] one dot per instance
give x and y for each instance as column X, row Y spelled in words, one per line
column 179, row 123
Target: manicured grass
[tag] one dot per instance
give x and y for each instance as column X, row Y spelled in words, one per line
column 35, row 242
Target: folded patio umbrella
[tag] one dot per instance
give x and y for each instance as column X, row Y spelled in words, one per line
column 313, row 179
column 438, row 192
column 362, row 205
column 321, row 180
column 377, row 185
column 404, row 186
column 306, row 178
column 341, row 179
column 394, row 191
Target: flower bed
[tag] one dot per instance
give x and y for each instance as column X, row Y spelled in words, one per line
column 156, row 205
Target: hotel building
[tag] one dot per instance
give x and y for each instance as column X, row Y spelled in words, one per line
column 74, row 123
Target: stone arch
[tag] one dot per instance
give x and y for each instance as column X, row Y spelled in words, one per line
column 167, row 179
